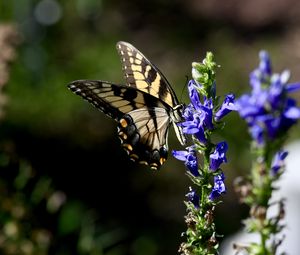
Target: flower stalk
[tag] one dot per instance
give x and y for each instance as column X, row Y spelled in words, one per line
column 202, row 118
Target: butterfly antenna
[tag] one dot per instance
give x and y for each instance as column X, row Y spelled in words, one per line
column 186, row 82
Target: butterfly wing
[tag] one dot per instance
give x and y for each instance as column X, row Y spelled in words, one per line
column 143, row 119
column 144, row 107
column 140, row 73
column 112, row 99
column 144, row 133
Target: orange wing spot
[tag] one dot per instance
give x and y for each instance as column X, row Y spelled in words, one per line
column 162, row 160
column 127, row 146
column 123, row 123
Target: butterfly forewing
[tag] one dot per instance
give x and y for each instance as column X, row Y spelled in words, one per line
column 140, row 73
column 112, row 99
column 144, row 108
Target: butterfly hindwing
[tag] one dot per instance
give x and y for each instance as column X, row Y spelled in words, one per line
column 143, row 133
column 143, row 120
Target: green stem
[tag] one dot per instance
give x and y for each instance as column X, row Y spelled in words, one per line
column 262, row 187
column 203, row 198
column 263, row 242
column 206, row 176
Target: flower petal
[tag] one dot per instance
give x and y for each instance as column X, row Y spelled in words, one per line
column 180, row 155
column 193, row 198
column 227, row 106
column 194, row 94
column 292, row 113
column 278, row 161
column 218, row 156
column 292, row 87
column 219, row 186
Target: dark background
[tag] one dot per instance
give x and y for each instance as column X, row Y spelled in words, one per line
column 67, row 186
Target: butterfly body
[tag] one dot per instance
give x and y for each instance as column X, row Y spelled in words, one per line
column 144, row 108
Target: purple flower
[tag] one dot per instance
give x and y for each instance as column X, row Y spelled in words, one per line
column 292, row 87
column 194, row 94
column 291, row 111
column 198, row 116
column 257, row 132
column 219, row 186
column 218, row 156
column 265, row 63
column 260, row 76
column 250, row 106
column 268, row 110
column 278, row 161
column 197, row 121
column 227, row 106
column 190, row 159
column 194, row 127
column 207, row 113
column 188, row 112
column 193, row 198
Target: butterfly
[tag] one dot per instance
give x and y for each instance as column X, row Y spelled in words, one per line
column 144, row 108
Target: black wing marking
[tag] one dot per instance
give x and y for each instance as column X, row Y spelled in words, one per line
column 140, row 73
column 144, row 133
column 112, row 99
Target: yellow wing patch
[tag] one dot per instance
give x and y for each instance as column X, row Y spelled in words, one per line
column 140, row 73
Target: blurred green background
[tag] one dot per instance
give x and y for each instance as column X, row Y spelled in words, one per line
column 66, row 186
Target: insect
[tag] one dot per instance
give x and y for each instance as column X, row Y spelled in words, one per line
column 144, row 108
